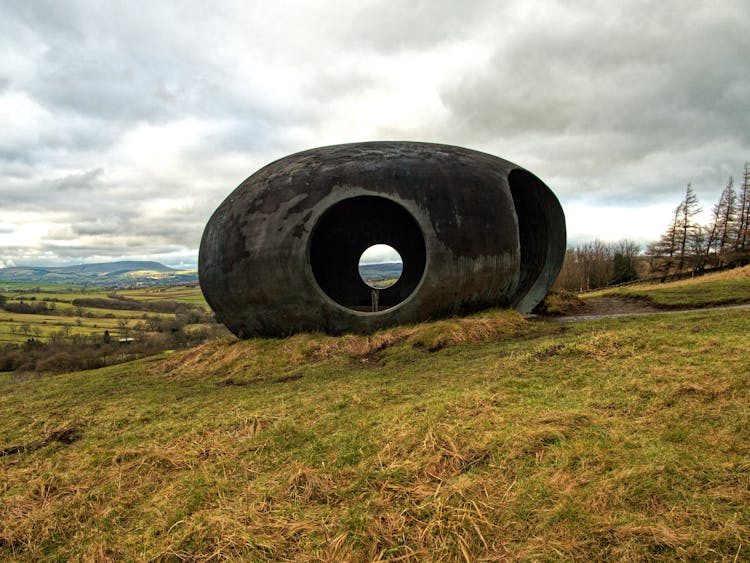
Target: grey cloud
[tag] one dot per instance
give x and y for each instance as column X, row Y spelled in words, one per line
column 188, row 233
column 82, row 182
column 392, row 26
column 609, row 104
column 121, row 66
column 614, row 89
column 115, row 226
column 104, row 69
column 99, row 226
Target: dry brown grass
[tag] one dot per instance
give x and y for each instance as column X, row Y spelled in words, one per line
column 560, row 302
column 240, row 360
column 607, row 441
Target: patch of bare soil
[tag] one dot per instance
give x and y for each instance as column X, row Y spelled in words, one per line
column 604, row 306
column 599, row 307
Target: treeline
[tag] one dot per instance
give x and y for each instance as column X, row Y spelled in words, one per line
column 27, row 308
column 598, row 264
column 28, row 305
column 689, row 246
column 685, row 248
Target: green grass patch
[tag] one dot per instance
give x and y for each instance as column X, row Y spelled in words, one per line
column 467, row 439
column 725, row 288
column 192, row 295
column 52, row 287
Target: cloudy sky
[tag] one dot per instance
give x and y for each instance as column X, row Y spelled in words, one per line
column 124, row 124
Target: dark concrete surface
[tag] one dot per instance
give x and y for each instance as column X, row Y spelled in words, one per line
column 280, row 254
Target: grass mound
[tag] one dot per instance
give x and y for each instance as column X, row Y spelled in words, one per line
column 560, row 302
column 471, row 439
column 239, row 361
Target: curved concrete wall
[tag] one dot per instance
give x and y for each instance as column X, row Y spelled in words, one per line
column 280, row 254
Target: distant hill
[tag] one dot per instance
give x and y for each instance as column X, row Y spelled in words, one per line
column 114, row 267
column 382, row 274
column 108, row 274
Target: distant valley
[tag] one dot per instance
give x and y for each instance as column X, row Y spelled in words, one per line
column 381, row 275
column 144, row 274
column 108, row 274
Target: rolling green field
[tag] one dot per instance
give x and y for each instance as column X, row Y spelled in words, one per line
column 69, row 320
column 52, row 287
column 174, row 293
column 484, row 438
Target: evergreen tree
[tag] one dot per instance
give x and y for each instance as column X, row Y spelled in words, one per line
column 623, row 261
column 623, row 269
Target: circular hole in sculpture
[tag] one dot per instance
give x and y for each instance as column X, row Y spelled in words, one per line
column 380, row 266
column 340, row 246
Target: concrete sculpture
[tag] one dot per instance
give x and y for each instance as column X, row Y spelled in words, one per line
column 280, row 254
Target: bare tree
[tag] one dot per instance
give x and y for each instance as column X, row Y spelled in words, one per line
column 569, row 277
column 154, row 323
column 742, row 229
column 727, row 209
column 597, row 264
column 123, row 328
column 719, row 245
column 688, row 228
column 724, row 241
column 697, row 248
column 663, row 251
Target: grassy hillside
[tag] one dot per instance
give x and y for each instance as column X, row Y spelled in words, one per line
column 724, row 288
column 482, row 438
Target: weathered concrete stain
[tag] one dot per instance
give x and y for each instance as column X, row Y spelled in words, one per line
column 279, row 255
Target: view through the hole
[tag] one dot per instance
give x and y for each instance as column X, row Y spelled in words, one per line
column 380, row 266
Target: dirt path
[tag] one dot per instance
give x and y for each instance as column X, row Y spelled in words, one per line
column 603, row 306
column 612, row 307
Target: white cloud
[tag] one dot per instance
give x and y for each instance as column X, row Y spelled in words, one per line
column 379, row 253
column 614, row 222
